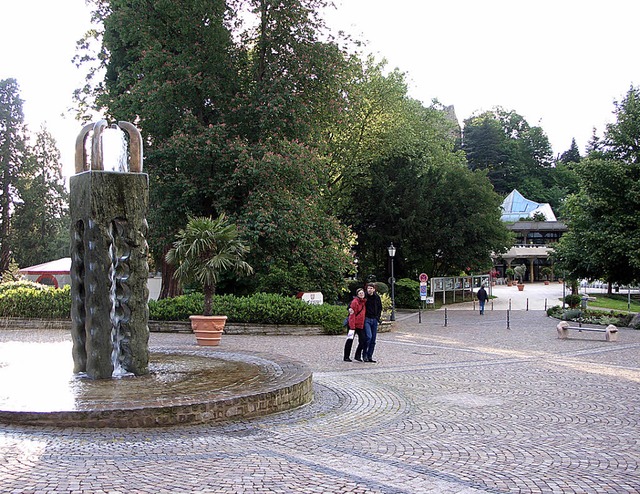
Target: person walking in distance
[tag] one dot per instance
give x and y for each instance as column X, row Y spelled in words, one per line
column 373, row 316
column 483, row 296
column 357, row 309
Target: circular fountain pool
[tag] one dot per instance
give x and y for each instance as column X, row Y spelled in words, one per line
column 186, row 384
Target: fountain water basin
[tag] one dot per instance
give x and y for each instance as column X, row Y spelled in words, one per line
column 186, row 384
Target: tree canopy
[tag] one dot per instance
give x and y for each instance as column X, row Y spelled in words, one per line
column 514, row 153
column 604, row 215
column 33, row 200
column 252, row 109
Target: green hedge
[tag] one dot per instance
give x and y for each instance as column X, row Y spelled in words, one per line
column 260, row 308
column 24, row 300
column 44, row 302
column 407, row 292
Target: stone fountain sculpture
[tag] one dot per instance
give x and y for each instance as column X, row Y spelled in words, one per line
column 109, row 269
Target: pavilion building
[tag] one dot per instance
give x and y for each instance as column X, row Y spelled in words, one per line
column 536, row 229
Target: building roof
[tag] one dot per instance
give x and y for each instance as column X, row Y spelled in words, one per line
column 516, row 206
column 59, row 266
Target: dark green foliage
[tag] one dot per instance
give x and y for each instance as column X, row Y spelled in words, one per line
column 233, row 119
column 573, row 300
column 514, row 154
column 286, row 131
column 26, row 301
column 572, row 155
column 177, row 308
column 407, row 294
column 604, row 216
column 443, row 217
column 13, row 158
column 204, row 250
column 382, row 288
column 352, row 287
column 40, row 224
column 296, row 245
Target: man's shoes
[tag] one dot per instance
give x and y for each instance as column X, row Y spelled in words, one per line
column 358, row 359
column 371, row 361
column 347, row 359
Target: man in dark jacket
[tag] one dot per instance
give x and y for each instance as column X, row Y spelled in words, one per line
column 483, row 296
column 372, row 317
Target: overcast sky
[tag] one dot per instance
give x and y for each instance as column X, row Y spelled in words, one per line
column 559, row 63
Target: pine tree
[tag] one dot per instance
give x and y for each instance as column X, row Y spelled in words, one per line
column 40, row 223
column 13, row 155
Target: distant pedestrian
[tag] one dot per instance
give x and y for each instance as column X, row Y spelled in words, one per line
column 483, row 296
column 357, row 310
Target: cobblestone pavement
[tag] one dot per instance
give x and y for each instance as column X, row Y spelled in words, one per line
column 470, row 407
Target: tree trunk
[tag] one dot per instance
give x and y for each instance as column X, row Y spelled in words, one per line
column 5, row 247
column 262, row 42
column 170, row 287
column 209, row 291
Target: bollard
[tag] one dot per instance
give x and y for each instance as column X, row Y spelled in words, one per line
column 509, row 305
column 419, row 316
column 527, row 304
column 508, row 327
column 445, row 317
column 492, row 305
column 545, row 304
column 474, row 306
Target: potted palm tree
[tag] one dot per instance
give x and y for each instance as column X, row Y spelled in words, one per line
column 510, row 274
column 204, row 250
column 547, row 272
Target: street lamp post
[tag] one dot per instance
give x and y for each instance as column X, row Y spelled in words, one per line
column 392, row 253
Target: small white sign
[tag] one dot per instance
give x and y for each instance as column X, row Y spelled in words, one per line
column 431, row 300
column 314, row 298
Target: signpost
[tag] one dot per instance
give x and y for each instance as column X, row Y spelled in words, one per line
column 423, row 292
column 423, row 286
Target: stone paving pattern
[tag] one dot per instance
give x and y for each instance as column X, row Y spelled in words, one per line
column 472, row 407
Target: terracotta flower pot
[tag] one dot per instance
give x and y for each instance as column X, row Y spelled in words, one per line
column 520, row 286
column 208, row 329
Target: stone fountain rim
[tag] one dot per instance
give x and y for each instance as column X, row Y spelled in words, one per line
column 289, row 388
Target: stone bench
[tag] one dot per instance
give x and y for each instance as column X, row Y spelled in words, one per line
column 610, row 332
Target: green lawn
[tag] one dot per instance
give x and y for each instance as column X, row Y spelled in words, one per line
column 615, row 301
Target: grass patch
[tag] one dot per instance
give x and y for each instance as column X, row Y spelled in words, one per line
column 614, row 301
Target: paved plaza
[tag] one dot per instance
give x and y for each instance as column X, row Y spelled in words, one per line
column 470, row 407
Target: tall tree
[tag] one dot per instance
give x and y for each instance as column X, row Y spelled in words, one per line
column 604, row 216
column 292, row 86
column 13, row 156
column 443, row 218
column 209, row 101
column 41, row 224
column 571, row 155
column 515, row 154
